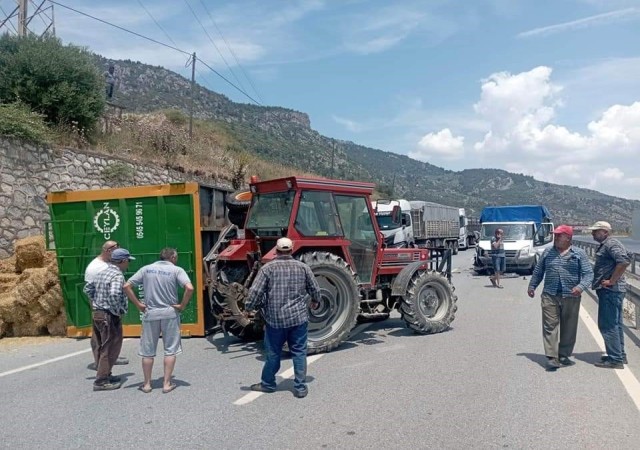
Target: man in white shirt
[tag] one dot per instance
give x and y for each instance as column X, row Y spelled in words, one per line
column 97, row 265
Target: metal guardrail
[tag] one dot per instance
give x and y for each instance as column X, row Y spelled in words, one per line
column 633, row 292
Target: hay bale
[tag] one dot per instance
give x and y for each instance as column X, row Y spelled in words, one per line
column 28, row 328
column 8, row 265
column 29, row 253
column 31, row 285
column 51, row 301
column 58, row 326
column 8, row 281
column 10, row 310
column 4, row 327
column 50, row 258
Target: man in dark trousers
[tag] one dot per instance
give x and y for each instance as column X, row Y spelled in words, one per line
column 98, row 264
column 109, row 305
column 567, row 274
column 280, row 291
column 612, row 260
column 498, row 257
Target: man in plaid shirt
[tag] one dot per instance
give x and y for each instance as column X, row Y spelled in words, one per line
column 567, row 274
column 109, row 304
column 279, row 291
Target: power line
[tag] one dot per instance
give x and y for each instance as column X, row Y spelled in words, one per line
column 231, row 50
column 221, row 76
column 156, row 22
column 120, row 28
column 159, row 43
column 214, row 44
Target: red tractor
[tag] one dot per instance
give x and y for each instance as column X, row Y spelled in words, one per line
column 334, row 231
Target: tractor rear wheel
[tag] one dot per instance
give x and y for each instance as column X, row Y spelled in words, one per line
column 429, row 305
column 332, row 321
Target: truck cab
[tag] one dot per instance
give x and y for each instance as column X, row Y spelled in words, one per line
column 528, row 231
column 397, row 234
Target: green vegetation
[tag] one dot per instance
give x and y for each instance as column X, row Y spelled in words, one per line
column 17, row 121
column 118, row 172
column 58, row 81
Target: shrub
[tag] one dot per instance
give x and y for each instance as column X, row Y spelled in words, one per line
column 17, row 120
column 176, row 117
column 55, row 80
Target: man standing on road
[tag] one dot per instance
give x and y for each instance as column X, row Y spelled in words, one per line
column 109, row 305
column 567, row 273
column 161, row 309
column 98, row 264
column 498, row 258
column 280, row 291
column 611, row 261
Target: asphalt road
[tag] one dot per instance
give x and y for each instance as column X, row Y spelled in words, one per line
column 479, row 385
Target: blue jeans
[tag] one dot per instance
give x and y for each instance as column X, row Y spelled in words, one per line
column 610, row 323
column 274, row 339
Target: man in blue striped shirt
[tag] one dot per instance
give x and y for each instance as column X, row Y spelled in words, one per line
column 280, row 292
column 567, row 273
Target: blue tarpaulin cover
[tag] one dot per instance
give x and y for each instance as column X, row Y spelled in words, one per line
column 518, row 213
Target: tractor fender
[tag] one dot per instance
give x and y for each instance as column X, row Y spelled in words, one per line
column 401, row 283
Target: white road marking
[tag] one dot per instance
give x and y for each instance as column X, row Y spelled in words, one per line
column 287, row 374
column 629, row 381
column 48, row 361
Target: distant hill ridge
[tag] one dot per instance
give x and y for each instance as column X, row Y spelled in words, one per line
column 285, row 136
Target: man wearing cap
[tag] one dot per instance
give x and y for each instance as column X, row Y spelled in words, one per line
column 611, row 261
column 98, row 264
column 109, row 305
column 161, row 309
column 567, row 273
column 280, row 291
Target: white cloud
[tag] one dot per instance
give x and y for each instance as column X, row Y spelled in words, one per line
column 442, row 144
column 522, row 137
column 627, row 14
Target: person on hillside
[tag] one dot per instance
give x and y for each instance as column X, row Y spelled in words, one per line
column 280, row 291
column 567, row 274
column 498, row 257
column 98, row 264
column 109, row 304
column 110, row 79
column 611, row 262
column 161, row 309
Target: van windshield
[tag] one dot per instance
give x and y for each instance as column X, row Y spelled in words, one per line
column 512, row 232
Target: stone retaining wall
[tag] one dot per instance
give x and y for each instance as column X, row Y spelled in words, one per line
column 28, row 172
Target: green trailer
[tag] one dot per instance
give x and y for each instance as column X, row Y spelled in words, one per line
column 143, row 219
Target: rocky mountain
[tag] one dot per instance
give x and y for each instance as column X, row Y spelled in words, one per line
column 285, row 136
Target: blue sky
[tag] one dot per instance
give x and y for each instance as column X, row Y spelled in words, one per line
column 549, row 88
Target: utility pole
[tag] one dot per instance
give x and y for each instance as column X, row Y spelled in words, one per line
column 333, row 151
column 193, row 87
column 22, row 17
column 393, row 184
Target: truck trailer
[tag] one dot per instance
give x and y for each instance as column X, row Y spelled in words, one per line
column 435, row 226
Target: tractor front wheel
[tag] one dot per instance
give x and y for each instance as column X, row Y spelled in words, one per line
column 429, row 305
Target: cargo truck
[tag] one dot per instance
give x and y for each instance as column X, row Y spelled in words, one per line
column 469, row 230
column 528, row 230
column 435, row 225
column 396, row 234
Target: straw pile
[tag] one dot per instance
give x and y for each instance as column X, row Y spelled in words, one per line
column 31, row 302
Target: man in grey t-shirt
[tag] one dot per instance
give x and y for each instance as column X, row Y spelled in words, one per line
column 161, row 309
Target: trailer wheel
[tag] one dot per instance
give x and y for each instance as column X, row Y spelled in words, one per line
column 238, row 200
column 429, row 306
column 331, row 323
column 454, row 248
